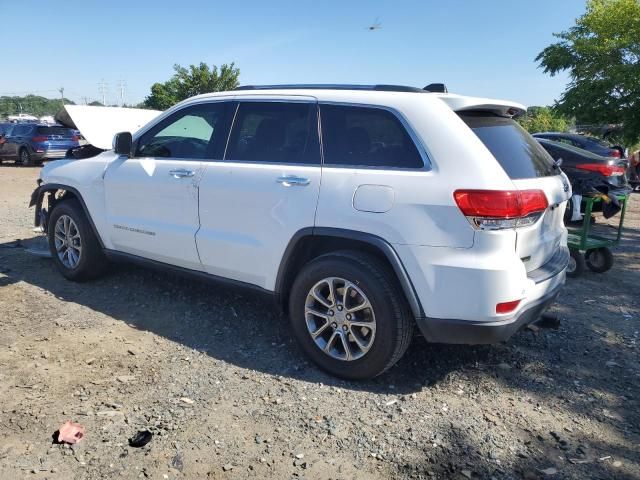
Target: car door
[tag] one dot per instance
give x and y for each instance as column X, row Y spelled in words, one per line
column 5, row 145
column 12, row 144
column 264, row 190
column 152, row 198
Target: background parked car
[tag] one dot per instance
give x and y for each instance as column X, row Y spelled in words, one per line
column 30, row 144
column 588, row 172
column 591, row 144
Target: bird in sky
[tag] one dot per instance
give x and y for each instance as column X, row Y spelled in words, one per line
column 376, row 25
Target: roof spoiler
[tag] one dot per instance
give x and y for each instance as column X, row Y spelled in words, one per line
column 436, row 88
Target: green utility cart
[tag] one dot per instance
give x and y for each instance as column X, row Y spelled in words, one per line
column 590, row 249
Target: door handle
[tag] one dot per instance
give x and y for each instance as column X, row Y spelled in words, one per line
column 181, row 173
column 291, row 180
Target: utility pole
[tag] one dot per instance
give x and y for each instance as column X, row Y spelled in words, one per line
column 61, row 90
column 121, row 86
column 102, row 90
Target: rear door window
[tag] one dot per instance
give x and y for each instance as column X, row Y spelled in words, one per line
column 366, row 136
column 519, row 154
column 21, row 130
column 275, row 132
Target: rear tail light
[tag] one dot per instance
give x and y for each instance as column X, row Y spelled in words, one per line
column 75, row 138
column 41, row 138
column 507, row 307
column 602, row 169
column 615, row 153
column 501, row 209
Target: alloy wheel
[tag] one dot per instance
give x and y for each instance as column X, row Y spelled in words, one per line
column 340, row 319
column 68, row 242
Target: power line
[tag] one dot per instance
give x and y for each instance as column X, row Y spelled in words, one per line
column 29, row 92
column 122, row 85
column 102, row 90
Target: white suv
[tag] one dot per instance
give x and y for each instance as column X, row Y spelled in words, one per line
column 361, row 210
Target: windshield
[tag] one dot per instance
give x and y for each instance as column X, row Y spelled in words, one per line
column 519, row 154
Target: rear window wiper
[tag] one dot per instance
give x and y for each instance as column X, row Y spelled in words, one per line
column 555, row 167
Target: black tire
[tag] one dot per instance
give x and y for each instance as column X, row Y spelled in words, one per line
column 394, row 322
column 26, row 160
column 599, row 260
column 92, row 262
column 576, row 264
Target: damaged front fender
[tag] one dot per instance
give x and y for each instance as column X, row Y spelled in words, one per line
column 54, row 193
column 41, row 214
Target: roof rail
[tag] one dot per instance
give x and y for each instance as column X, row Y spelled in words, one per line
column 380, row 88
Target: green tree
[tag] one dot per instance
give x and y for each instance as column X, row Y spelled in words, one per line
column 602, row 55
column 543, row 119
column 31, row 104
column 187, row 82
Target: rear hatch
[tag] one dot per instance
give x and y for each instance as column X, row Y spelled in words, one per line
column 530, row 167
column 57, row 138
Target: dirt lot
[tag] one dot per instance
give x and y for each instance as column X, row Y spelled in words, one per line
column 215, row 376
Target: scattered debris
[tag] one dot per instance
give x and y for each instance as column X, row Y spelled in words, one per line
column 70, row 432
column 140, row 439
column 549, row 471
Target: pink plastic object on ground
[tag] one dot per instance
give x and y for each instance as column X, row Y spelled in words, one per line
column 70, row 432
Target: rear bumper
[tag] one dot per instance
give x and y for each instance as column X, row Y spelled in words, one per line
column 50, row 154
column 460, row 288
column 439, row 330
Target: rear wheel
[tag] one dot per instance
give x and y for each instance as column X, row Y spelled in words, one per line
column 599, row 260
column 349, row 315
column 25, row 158
column 74, row 247
column 576, row 265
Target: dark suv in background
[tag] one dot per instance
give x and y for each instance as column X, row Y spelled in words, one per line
column 590, row 144
column 31, row 143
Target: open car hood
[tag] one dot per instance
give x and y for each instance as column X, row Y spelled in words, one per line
column 99, row 124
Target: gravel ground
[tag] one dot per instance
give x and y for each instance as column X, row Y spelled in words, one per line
column 215, row 376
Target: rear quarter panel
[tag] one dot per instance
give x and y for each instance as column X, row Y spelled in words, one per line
column 423, row 210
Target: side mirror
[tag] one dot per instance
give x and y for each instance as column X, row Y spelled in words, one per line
column 122, row 143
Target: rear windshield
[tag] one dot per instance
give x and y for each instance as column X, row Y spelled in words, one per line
column 519, row 154
column 65, row 132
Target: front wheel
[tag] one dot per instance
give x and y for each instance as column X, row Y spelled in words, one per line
column 74, row 247
column 349, row 315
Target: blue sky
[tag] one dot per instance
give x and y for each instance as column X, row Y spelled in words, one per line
column 477, row 47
